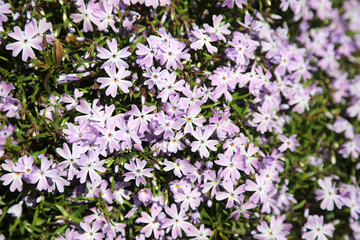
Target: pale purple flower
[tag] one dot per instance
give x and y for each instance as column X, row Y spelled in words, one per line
column 26, row 42
column 115, row 57
column 328, row 195
column 89, row 165
column 137, row 171
column 232, row 164
column 171, row 54
column 86, row 15
column 153, row 222
column 261, row 188
column 71, row 158
column 200, row 234
column 16, row 209
column 177, row 222
column 276, row 231
column 288, row 143
column 181, row 167
column 128, row 131
column 115, row 80
column 71, row 102
column 188, row 197
column 218, row 31
column 104, row 17
column 264, row 119
column 91, row 231
column 143, row 116
column 318, row 230
column 231, row 195
column 42, row 175
column 203, row 143
column 120, row 193
column 13, row 178
column 230, row 3
column 171, row 87
column 202, row 39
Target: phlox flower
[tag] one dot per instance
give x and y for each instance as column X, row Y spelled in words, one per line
column 25, row 166
column 176, row 106
column 110, row 138
column 86, row 15
column 224, row 82
column 264, row 119
column 261, row 188
column 202, row 39
column 115, row 57
column 328, row 195
column 181, row 167
column 242, row 209
column 115, row 80
column 231, row 194
column 203, row 143
column 191, row 118
column 137, row 171
column 13, row 178
column 120, row 193
column 91, row 230
column 27, row 40
column 163, row 124
column 218, row 31
column 232, row 164
column 128, row 131
column 174, row 143
column 71, row 102
column 71, row 158
column 171, row 54
column 69, row 234
column 353, row 110
column 177, row 222
column 105, row 192
column 156, row 77
column 276, row 231
column 250, row 162
column 152, row 221
column 211, row 181
column 353, row 202
column 146, row 54
column 16, row 209
column 318, row 230
column 288, row 143
column 42, row 28
column 351, row 148
column 89, row 165
column 104, row 17
column 143, row 116
column 87, row 111
column 192, row 96
column 171, row 87
column 200, row 234
column 188, row 197
column 230, row 3
column 42, row 175
column 4, row 9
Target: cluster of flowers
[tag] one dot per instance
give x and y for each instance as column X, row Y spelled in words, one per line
column 329, row 44
column 229, row 166
column 11, row 106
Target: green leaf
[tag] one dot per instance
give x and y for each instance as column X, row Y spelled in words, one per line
column 62, row 210
column 300, row 205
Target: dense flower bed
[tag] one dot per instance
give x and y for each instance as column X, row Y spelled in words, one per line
column 180, row 119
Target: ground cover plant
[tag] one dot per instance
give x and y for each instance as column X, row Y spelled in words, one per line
column 179, row 119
